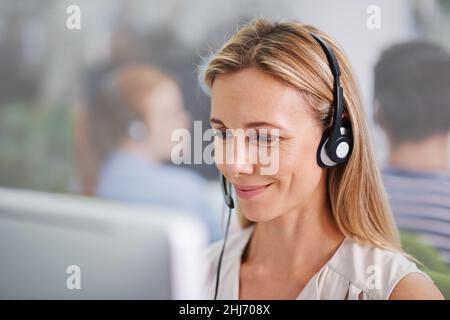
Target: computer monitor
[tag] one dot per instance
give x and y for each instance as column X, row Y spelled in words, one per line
column 70, row 247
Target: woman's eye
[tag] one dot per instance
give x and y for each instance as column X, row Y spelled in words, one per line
column 223, row 134
column 262, row 139
column 254, row 138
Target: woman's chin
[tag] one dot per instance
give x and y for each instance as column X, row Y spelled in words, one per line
column 256, row 213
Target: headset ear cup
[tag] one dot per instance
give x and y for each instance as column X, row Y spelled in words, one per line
column 342, row 149
column 323, row 159
column 343, row 146
column 329, row 155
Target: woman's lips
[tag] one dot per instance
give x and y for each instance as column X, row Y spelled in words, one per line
column 248, row 192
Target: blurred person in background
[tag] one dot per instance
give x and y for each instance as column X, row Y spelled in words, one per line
column 412, row 105
column 137, row 108
column 124, row 49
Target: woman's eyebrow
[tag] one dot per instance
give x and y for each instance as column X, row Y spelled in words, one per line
column 250, row 124
column 262, row 124
column 217, row 121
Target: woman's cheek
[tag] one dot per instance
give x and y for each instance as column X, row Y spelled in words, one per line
column 220, row 167
column 219, row 155
column 298, row 164
column 289, row 160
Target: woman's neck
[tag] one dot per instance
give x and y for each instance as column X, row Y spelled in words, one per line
column 304, row 237
column 430, row 154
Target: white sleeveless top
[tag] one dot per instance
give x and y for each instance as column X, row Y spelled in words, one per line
column 355, row 271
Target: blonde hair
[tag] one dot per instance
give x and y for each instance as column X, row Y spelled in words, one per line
column 288, row 52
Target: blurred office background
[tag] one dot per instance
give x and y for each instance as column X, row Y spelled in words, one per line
column 50, row 75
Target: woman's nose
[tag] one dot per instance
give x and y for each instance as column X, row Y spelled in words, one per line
column 239, row 161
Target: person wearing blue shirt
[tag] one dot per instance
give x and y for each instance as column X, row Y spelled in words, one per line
column 412, row 94
column 136, row 110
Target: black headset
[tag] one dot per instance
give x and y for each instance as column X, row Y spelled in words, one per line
column 334, row 148
column 336, row 144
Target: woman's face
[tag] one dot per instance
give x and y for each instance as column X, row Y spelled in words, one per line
column 252, row 99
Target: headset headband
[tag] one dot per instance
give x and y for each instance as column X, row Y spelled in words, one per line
column 337, row 89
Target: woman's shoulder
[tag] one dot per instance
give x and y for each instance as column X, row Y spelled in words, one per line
column 370, row 254
column 374, row 270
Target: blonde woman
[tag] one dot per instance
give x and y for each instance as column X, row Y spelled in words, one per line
column 319, row 227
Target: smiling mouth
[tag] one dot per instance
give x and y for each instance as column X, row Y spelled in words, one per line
column 248, row 192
